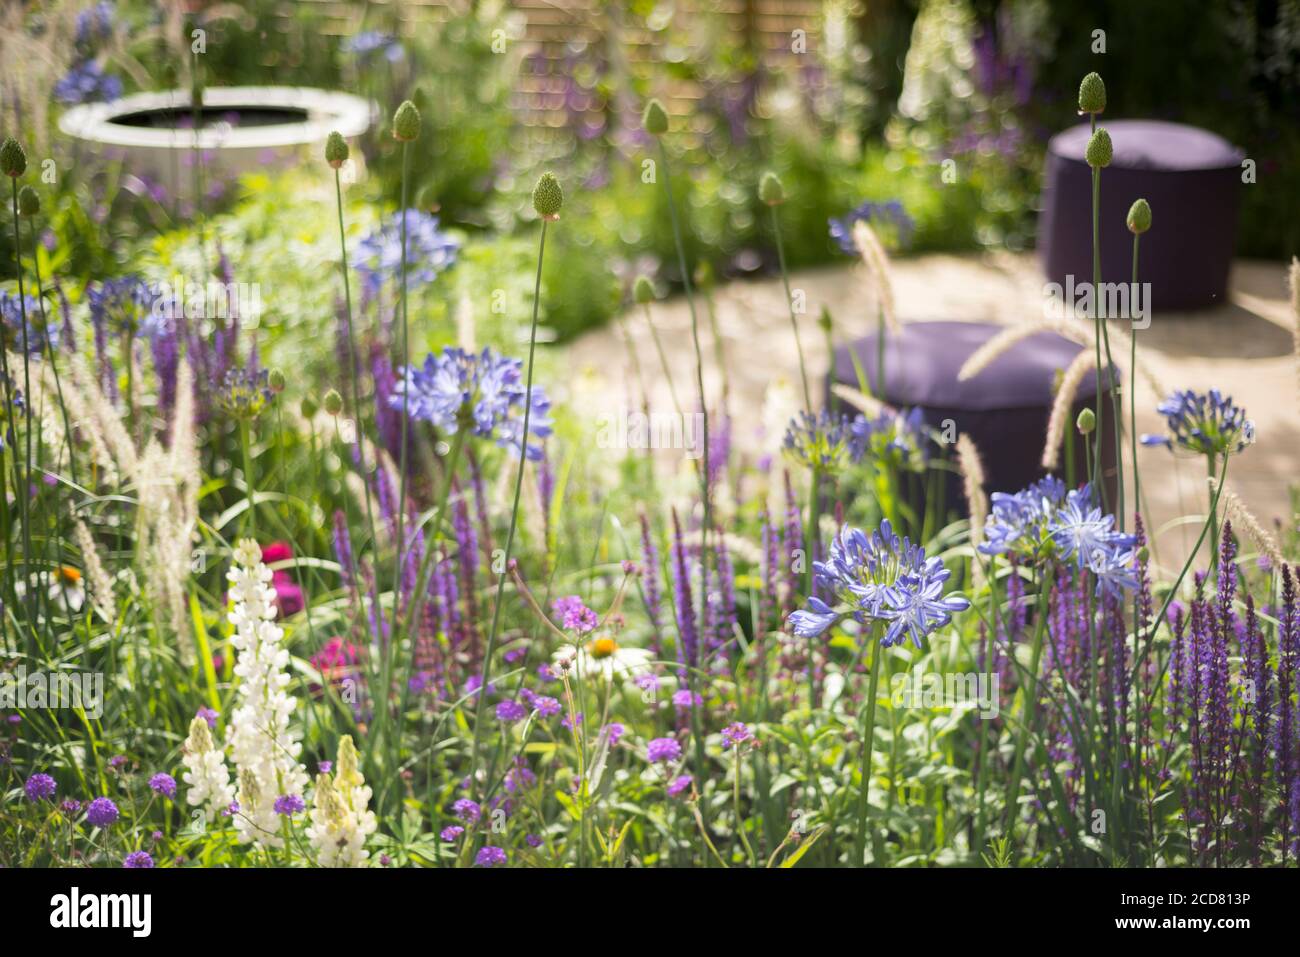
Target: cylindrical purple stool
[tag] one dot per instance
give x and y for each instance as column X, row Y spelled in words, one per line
column 1004, row 409
column 1189, row 176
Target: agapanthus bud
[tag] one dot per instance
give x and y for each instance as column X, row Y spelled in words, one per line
column 548, row 197
column 1092, row 94
column 275, row 381
column 406, row 122
column 643, row 290
column 1139, row 217
column 655, row 119
column 333, row 402
column 1086, row 422
column 336, row 149
column 13, row 158
column 1099, row 150
column 29, row 203
column 771, row 190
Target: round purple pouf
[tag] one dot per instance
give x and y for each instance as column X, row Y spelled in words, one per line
column 1190, row 177
column 1004, row 409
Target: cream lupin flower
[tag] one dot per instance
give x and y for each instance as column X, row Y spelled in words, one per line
column 340, row 817
column 206, row 777
column 263, row 745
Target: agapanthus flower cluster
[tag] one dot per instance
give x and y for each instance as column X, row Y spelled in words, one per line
column 1205, row 423
column 38, row 332
column 880, row 577
column 1045, row 520
column 820, row 442
column 483, row 391
column 206, row 777
column 341, row 818
column 892, row 438
column 125, row 306
column 244, row 393
column 429, row 251
column 887, row 217
column 86, row 82
column 263, row 745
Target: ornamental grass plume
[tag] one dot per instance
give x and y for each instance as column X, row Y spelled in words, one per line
column 971, row 468
column 1060, row 415
column 877, row 271
column 341, row 819
column 263, row 744
column 1268, row 547
column 206, row 777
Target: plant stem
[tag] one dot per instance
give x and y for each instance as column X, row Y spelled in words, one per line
column 789, row 301
column 868, row 744
column 514, row 516
column 406, row 362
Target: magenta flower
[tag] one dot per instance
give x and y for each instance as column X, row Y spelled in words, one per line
column 574, row 615
column 490, row 857
column 39, row 787
column 663, row 750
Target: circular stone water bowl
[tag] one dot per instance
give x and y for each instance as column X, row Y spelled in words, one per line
column 241, row 128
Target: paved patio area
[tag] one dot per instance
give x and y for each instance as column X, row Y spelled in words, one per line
column 1244, row 347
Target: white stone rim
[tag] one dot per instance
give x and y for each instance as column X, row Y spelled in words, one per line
column 326, row 112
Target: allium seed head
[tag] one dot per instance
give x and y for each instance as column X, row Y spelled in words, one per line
column 336, row 149
column 1086, row 422
column 406, row 122
column 643, row 290
column 29, row 202
column 1100, row 151
column 548, row 197
column 13, row 158
column 771, row 190
column 333, row 402
column 1139, row 217
column 1092, row 94
column 655, row 119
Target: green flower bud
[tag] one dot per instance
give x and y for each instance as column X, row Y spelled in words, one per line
column 770, row 189
column 13, row 159
column 1086, row 422
column 825, row 320
column 1092, row 94
column 1139, row 217
column 336, row 149
column 704, row 274
column 1100, row 151
column 427, row 199
column 1143, row 554
column 548, row 197
column 406, row 122
column 654, row 119
column 308, row 407
column 333, row 402
column 275, row 381
column 29, row 203
column 643, row 290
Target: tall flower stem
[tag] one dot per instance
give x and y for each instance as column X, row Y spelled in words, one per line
column 1029, row 710
column 789, row 301
column 406, row 361
column 1132, row 390
column 354, row 374
column 663, row 359
column 514, row 516
column 250, row 516
column 811, row 538
column 24, row 492
column 1098, row 322
column 868, row 746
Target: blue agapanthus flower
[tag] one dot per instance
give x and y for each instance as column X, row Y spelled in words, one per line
column 889, row 217
column 127, row 306
column 1080, row 531
column 38, row 332
column 1205, row 423
column 894, row 438
column 370, row 45
column 429, row 251
column 1019, row 520
column 95, row 24
column 819, row 441
column 880, row 577
column 86, row 82
column 484, row 392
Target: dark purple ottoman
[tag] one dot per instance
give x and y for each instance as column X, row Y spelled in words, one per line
column 1189, row 176
column 1004, row 409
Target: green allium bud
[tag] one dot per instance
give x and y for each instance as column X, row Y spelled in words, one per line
column 275, row 381
column 29, row 203
column 333, row 402
column 1092, row 94
column 643, row 290
column 1099, row 150
column 13, row 159
column 308, row 407
column 825, row 320
column 1143, row 554
column 548, row 197
column 1139, row 217
column 770, row 189
column 427, row 198
column 654, row 119
column 1086, row 422
column 704, row 274
column 336, row 149
column 406, row 122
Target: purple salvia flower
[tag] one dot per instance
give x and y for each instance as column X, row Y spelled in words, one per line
column 651, row 592
column 343, row 551
column 688, row 652
column 725, row 620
